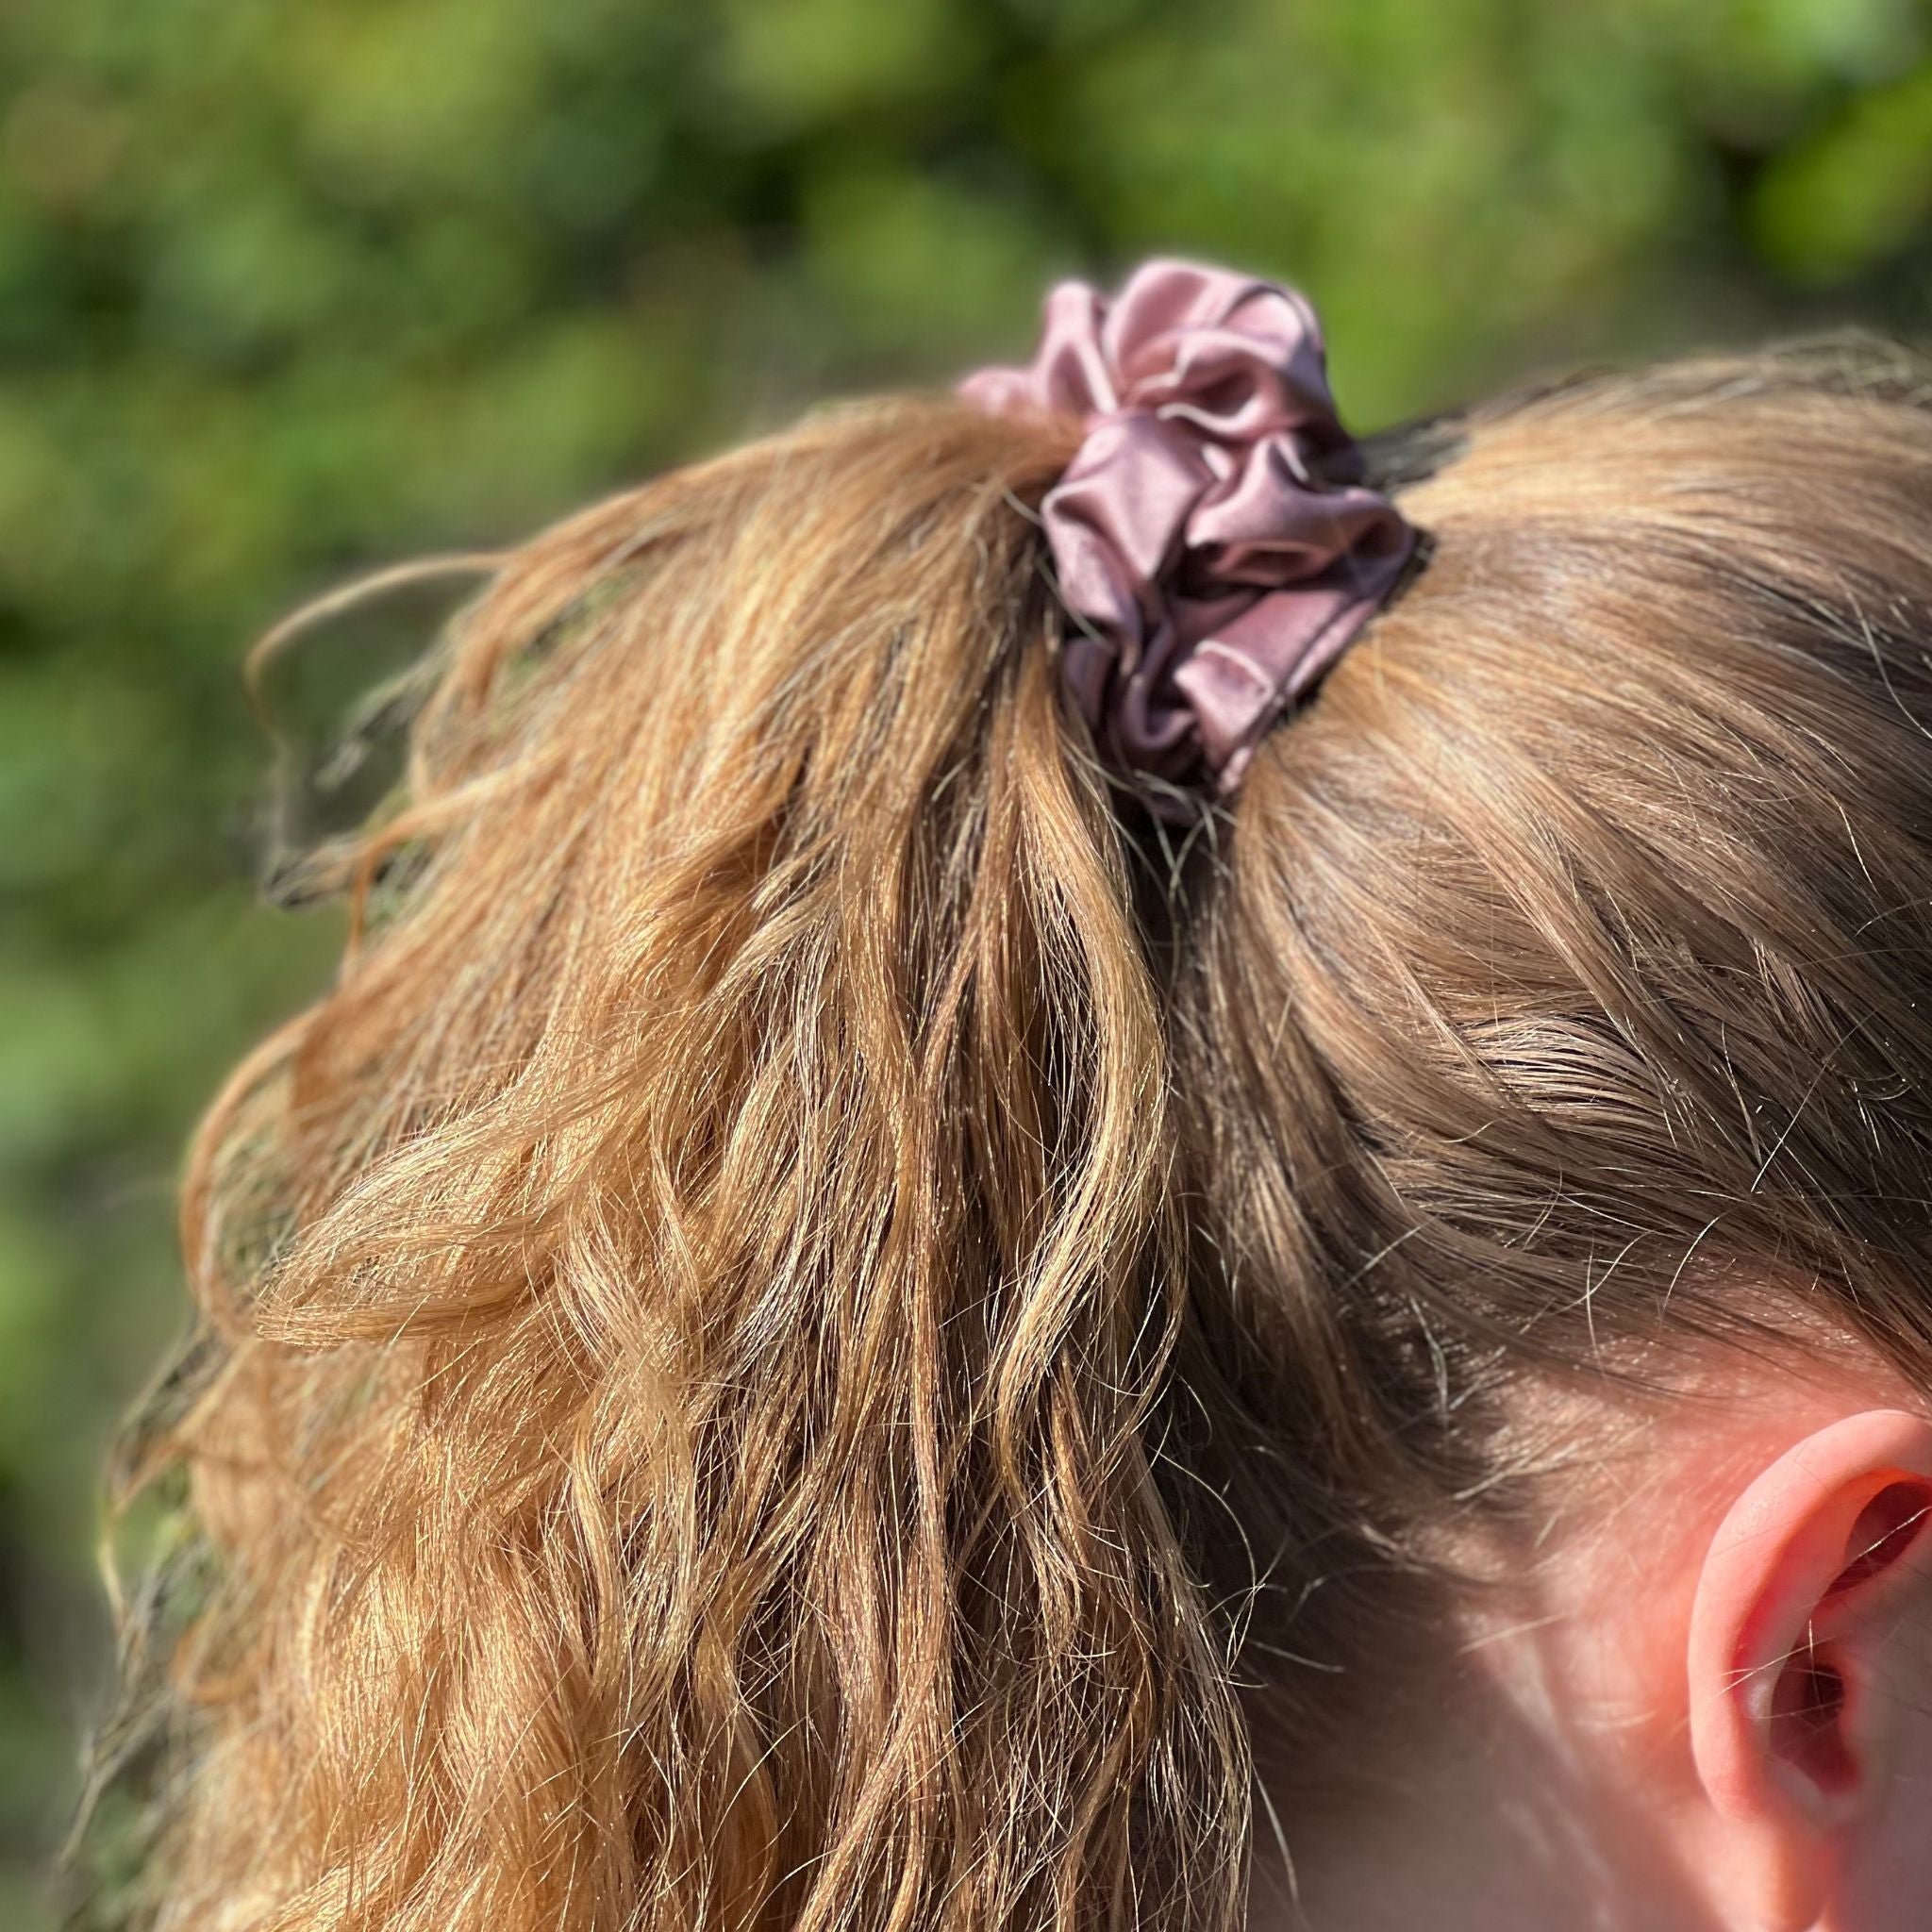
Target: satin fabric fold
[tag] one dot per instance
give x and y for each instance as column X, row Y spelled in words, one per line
column 1210, row 574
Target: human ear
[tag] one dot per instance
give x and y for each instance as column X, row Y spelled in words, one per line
column 1800, row 1667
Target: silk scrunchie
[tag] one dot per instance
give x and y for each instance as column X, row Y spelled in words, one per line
column 1213, row 577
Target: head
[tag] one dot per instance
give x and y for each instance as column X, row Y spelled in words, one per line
column 829, row 1327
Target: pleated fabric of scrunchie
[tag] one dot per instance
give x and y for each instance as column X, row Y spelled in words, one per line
column 1210, row 574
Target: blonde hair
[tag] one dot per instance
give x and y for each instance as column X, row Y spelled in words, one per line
column 820, row 1332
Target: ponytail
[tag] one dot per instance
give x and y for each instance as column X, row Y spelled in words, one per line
column 694, row 1296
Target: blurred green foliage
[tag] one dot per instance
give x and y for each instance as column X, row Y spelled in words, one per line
column 288, row 289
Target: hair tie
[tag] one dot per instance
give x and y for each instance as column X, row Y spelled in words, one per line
column 1211, row 575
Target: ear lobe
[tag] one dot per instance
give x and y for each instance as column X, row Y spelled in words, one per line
column 1786, row 1666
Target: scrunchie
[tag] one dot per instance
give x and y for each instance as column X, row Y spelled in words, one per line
column 1211, row 576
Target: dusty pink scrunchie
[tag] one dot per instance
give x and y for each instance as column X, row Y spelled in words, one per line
column 1213, row 578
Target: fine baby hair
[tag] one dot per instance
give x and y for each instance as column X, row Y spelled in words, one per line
column 878, row 1298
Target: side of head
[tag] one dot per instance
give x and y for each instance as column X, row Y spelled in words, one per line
column 821, row 1331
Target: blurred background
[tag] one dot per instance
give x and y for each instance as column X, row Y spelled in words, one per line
column 290, row 291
